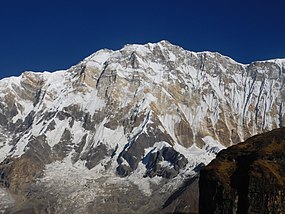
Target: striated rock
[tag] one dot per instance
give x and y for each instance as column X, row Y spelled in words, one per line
column 246, row 178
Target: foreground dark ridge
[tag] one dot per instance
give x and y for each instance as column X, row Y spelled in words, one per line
column 246, row 178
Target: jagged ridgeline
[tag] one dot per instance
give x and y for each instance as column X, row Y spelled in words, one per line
column 133, row 121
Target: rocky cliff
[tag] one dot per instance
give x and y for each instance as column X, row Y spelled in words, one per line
column 246, row 178
column 135, row 121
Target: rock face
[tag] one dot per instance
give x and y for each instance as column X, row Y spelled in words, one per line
column 133, row 121
column 185, row 199
column 246, row 178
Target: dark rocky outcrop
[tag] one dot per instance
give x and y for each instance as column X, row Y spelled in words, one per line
column 185, row 199
column 175, row 160
column 246, row 178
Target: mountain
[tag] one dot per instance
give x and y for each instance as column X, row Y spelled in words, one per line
column 136, row 121
column 246, row 178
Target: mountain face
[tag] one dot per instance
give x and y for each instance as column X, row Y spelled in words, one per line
column 246, row 178
column 137, row 121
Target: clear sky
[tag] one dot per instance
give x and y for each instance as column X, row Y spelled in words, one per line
column 55, row 34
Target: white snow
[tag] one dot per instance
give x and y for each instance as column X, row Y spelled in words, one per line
column 157, row 146
column 4, row 150
column 169, row 121
column 110, row 138
column 54, row 136
column 212, row 145
column 21, row 145
column 99, row 57
column 172, row 57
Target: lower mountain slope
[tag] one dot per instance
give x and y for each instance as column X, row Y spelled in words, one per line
column 246, row 178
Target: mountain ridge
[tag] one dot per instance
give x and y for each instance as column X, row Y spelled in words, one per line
column 281, row 60
column 247, row 177
column 143, row 116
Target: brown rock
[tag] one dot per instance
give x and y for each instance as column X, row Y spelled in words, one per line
column 246, row 178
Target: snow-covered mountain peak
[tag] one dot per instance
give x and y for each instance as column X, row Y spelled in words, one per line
column 100, row 56
column 145, row 113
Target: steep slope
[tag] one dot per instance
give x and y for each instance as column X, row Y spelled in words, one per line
column 246, row 178
column 133, row 121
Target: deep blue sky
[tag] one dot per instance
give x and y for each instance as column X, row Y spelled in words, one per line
column 55, row 34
